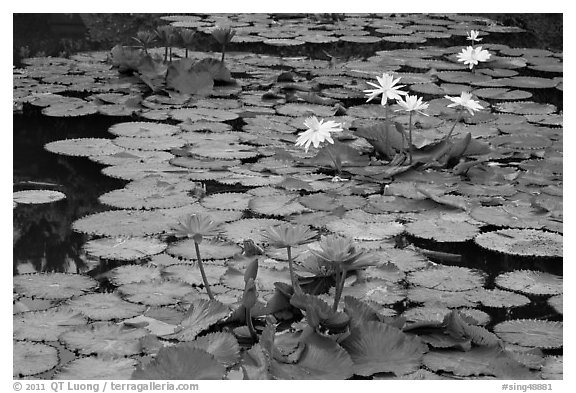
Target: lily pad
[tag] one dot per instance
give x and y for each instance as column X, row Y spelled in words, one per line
column 447, row 278
column 156, row 293
column 52, row 285
column 128, row 274
column 181, row 363
column 124, row 249
column 530, row 282
column 227, row 201
column 104, row 306
column 442, row 230
column 37, row 196
column 33, row 358
column 522, row 242
column 249, row 228
column 83, row 147
column 365, row 231
column 97, row 368
column 223, row 346
column 46, row 325
column 123, row 223
column 276, row 205
column 200, row 316
column 141, row 129
column 208, row 249
column 105, row 339
column 531, row 333
column 377, row 347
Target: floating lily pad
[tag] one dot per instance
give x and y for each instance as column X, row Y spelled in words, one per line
column 522, row 242
column 97, row 368
column 143, row 129
column 32, row 358
column 447, row 278
column 202, row 114
column 52, row 285
column 128, row 274
column 104, row 306
column 365, row 231
column 381, row 292
column 150, row 144
column 442, row 230
column 553, row 367
column 156, row 293
column 37, row 196
column 525, row 108
column 507, row 216
column 249, row 228
column 530, row 82
column 498, row 298
column 70, row 110
column 276, row 205
column 530, row 282
column 83, row 147
column 531, row 333
column 123, row 223
column 450, row 299
column 377, row 347
column 46, row 325
column 104, row 339
column 227, row 201
column 133, row 156
column 147, row 198
column 25, row 304
column 124, row 249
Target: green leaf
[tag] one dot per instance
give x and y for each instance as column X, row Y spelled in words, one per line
column 184, row 77
column 181, row 362
column 378, row 347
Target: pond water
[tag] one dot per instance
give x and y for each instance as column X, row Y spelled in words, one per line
column 246, row 167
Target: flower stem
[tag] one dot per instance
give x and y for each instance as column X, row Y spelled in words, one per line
column 291, row 266
column 410, row 146
column 223, row 53
column 338, row 169
column 204, row 278
column 454, row 125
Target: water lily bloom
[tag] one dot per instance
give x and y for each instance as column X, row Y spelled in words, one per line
column 412, row 104
column 472, row 56
column 341, row 251
column 386, row 87
column 473, row 36
column 317, row 132
column 287, row 235
column 196, row 226
column 223, row 34
column 465, row 100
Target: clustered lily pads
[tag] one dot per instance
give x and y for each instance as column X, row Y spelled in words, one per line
column 261, row 233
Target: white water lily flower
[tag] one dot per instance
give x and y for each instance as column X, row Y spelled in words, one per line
column 386, row 88
column 471, row 56
column 317, row 132
column 412, row 104
column 465, row 100
column 473, row 36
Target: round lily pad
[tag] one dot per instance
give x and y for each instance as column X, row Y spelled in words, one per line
column 531, row 333
column 156, row 293
column 507, row 216
column 124, row 249
column 530, row 82
column 365, row 231
column 104, row 306
column 165, row 142
column 208, row 249
column 525, row 108
column 249, row 228
column 442, row 230
column 97, row 368
column 128, row 274
column 52, row 285
column 143, row 129
column 522, row 242
column 530, row 282
column 32, row 358
column 123, row 223
column 70, row 110
column 498, row 298
column 435, row 297
column 105, row 339
column 227, row 201
column 147, row 198
column 381, row 292
column 37, row 196
column 447, row 278
column 46, row 325
column 276, row 205
column 83, row 147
